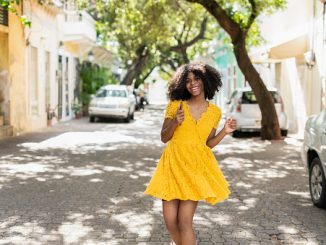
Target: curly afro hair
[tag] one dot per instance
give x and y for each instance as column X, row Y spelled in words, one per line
column 209, row 75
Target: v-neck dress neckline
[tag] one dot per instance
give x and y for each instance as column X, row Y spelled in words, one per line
column 201, row 115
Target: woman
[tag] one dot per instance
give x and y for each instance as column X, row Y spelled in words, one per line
column 187, row 171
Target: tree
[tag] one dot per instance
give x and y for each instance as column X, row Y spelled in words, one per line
column 238, row 19
column 92, row 78
column 150, row 33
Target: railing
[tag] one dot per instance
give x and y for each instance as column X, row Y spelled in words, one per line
column 3, row 16
column 79, row 23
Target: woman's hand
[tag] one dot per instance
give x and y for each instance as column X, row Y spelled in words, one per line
column 230, row 125
column 179, row 117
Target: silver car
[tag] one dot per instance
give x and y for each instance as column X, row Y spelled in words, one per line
column 243, row 107
column 112, row 101
column 314, row 157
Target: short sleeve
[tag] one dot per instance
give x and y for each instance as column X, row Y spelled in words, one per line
column 171, row 109
column 217, row 117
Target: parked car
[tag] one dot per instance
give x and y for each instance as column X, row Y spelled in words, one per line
column 314, row 157
column 112, row 101
column 243, row 107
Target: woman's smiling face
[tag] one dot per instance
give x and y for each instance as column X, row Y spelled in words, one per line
column 194, row 85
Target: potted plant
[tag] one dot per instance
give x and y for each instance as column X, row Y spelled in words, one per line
column 77, row 108
column 50, row 114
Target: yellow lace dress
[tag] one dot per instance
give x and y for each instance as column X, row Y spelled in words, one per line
column 188, row 169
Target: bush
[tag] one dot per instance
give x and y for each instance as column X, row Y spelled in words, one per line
column 92, row 78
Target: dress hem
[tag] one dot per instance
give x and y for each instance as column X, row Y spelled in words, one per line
column 203, row 198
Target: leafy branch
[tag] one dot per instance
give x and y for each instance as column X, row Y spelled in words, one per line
column 11, row 5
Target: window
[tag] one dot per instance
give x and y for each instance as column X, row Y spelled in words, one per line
column 3, row 16
column 116, row 93
column 249, row 97
column 47, row 79
column 111, row 93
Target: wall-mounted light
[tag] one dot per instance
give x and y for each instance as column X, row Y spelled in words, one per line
column 60, row 48
column 310, row 59
column 91, row 56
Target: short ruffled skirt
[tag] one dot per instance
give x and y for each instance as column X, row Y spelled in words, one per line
column 188, row 172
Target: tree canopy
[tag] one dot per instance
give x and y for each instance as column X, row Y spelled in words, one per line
column 239, row 19
column 166, row 33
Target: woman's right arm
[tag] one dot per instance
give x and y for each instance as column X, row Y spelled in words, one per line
column 170, row 124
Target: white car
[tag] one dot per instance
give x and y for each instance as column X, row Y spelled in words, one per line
column 314, row 157
column 244, row 107
column 112, row 101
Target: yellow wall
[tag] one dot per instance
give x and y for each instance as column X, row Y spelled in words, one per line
column 4, row 83
column 17, row 77
column 3, row 51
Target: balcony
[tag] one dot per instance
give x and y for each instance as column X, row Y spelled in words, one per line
column 3, row 16
column 78, row 27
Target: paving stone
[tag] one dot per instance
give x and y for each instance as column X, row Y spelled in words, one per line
column 55, row 192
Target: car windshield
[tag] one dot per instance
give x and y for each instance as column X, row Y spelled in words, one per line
column 248, row 97
column 111, row 93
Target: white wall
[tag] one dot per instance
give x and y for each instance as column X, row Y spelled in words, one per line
column 157, row 92
column 45, row 34
column 293, row 21
column 300, row 86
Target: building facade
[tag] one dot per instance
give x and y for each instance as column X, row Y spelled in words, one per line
column 39, row 64
column 293, row 60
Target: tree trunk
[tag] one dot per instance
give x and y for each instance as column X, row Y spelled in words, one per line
column 137, row 66
column 270, row 127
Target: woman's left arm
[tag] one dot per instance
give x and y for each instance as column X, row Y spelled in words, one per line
column 229, row 126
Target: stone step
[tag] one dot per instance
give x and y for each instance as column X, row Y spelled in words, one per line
column 6, row 131
column 1, row 120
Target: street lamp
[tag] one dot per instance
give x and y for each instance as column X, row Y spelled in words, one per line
column 91, row 56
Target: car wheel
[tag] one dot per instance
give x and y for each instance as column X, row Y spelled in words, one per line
column 236, row 134
column 127, row 119
column 284, row 132
column 132, row 116
column 91, row 119
column 317, row 183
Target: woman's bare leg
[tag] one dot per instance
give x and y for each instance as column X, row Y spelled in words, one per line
column 170, row 214
column 186, row 213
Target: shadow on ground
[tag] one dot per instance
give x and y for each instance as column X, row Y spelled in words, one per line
column 81, row 183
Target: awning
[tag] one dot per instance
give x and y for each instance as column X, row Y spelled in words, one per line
column 293, row 48
column 83, row 47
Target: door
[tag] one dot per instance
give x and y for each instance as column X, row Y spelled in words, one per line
column 59, row 77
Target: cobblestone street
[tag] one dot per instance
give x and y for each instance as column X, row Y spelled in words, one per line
column 82, row 183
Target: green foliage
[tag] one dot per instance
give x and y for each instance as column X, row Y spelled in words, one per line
column 10, row 5
column 246, row 13
column 240, row 10
column 94, row 77
column 76, row 105
column 125, row 26
column 25, row 21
